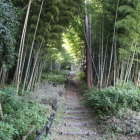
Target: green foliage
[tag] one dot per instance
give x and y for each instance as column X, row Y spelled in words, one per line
column 62, row 72
column 7, row 131
column 68, row 67
column 8, row 30
column 81, row 76
column 112, row 99
column 54, row 78
column 20, row 115
column 128, row 30
column 126, row 9
column 114, row 22
column 59, row 77
column 73, row 40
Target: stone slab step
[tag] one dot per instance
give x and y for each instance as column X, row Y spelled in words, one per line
column 77, row 107
column 72, row 100
column 76, row 118
column 75, row 98
column 77, row 124
column 71, row 103
column 69, row 94
column 77, row 133
column 72, row 112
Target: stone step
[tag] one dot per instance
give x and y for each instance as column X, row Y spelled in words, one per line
column 76, row 118
column 72, row 94
column 71, row 97
column 77, row 133
column 72, row 112
column 71, row 100
column 77, row 107
column 77, row 124
column 72, row 104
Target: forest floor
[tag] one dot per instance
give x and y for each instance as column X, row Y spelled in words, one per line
column 76, row 122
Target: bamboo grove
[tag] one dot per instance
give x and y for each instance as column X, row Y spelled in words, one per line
column 36, row 33
column 114, row 40
column 102, row 34
column 110, row 30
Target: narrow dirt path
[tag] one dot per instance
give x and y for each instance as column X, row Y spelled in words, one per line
column 73, row 120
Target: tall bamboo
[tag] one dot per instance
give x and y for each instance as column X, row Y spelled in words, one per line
column 34, row 66
column 29, row 60
column 112, row 50
column 18, row 69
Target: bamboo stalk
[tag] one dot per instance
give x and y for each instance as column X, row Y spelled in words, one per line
column 138, row 81
column 1, row 112
column 34, row 66
column 26, row 6
column 31, row 50
column 114, row 32
column 128, row 71
column 17, row 73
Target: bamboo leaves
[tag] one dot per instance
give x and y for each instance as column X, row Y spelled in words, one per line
column 126, row 9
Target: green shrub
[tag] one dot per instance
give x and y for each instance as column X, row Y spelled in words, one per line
column 61, row 72
column 20, row 115
column 44, row 76
column 81, row 76
column 112, row 99
column 128, row 86
column 55, row 76
column 68, row 67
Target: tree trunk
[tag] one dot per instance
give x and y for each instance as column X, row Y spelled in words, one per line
column 88, row 50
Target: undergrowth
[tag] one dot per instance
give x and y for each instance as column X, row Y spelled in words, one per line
column 28, row 111
column 112, row 99
column 46, row 93
column 117, row 110
column 59, row 77
column 20, row 115
column 80, row 76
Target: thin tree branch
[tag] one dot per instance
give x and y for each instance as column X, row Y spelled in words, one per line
column 30, row 132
